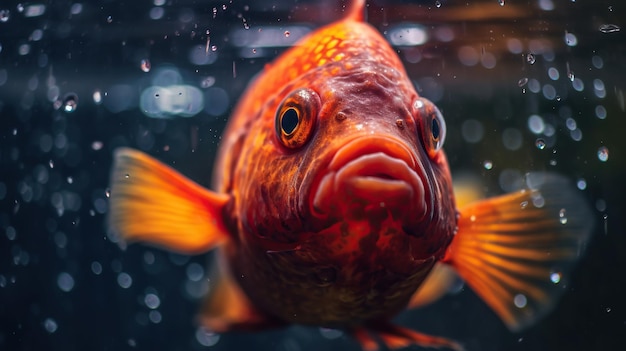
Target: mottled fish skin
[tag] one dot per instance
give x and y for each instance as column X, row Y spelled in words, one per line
column 342, row 272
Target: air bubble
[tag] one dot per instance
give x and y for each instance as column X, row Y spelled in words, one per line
column 206, row 338
column 501, row 2
column 145, row 65
column 96, row 267
column 555, row 277
column 609, row 28
column 70, row 102
column 65, row 282
column 124, row 280
column 540, row 144
column 438, row 4
column 530, row 58
column 287, row 34
column 155, row 317
column 562, row 216
column 522, row 82
column 603, row 154
column 152, row 301
column 5, row 15
column 331, row 333
column 581, row 184
column 520, row 300
column 109, row 19
column 50, row 325
column 207, row 82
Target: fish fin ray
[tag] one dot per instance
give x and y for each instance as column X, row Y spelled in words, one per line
column 522, row 246
column 151, row 202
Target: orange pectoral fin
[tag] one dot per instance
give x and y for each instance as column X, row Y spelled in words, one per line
column 516, row 250
column 151, row 202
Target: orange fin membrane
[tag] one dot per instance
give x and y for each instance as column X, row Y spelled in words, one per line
column 395, row 337
column 516, row 250
column 153, row 203
column 227, row 308
column 438, row 282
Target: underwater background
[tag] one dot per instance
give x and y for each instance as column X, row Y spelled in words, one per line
column 523, row 85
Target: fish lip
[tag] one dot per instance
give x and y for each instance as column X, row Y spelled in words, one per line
column 379, row 170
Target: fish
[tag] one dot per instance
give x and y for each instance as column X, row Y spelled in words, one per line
column 332, row 204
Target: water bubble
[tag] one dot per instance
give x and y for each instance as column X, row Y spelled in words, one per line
column 555, row 277
column 4, row 15
column 145, row 65
column 107, row 192
column 213, row 48
column 562, row 217
column 520, row 300
column 96, row 267
column 109, row 19
column 600, row 112
column 608, row 309
column 65, row 282
column 70, row 102
column 195, row 272
column 207, row 82
column 206, row 338
column 523, row 205
column 97, row 97
column 501, row 2
column 152, row 301
column 540, row 144
column 155, row 317
column 97, row 145
column 609, row 28
column 530, row 58
column 603, row 153
column 536, row 124
column 438, row 4
column 331, row 333
column 124, row 280
column 522, row 82
column 287, row 34
column 488, row 164
column 50, row 325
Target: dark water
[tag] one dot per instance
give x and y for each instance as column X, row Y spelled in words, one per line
column 530, row 85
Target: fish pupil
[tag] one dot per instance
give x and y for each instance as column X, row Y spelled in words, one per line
column 435, row 129
column 289, row 121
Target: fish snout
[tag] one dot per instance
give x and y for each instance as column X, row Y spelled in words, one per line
column 372, row 176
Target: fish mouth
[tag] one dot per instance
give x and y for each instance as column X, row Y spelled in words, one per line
column 371, row 175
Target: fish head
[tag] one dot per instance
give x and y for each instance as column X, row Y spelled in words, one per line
column 348, row 143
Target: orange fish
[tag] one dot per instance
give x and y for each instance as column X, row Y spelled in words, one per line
column 333, row 205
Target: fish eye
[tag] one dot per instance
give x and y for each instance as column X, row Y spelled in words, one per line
column 433, row 127
column 295, row 118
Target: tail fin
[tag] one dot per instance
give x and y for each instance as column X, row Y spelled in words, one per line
column 516, row 250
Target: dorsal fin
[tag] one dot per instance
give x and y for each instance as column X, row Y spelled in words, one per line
column 355, row 11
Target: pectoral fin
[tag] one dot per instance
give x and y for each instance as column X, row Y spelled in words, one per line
column 516, row 250
column 151, row 202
